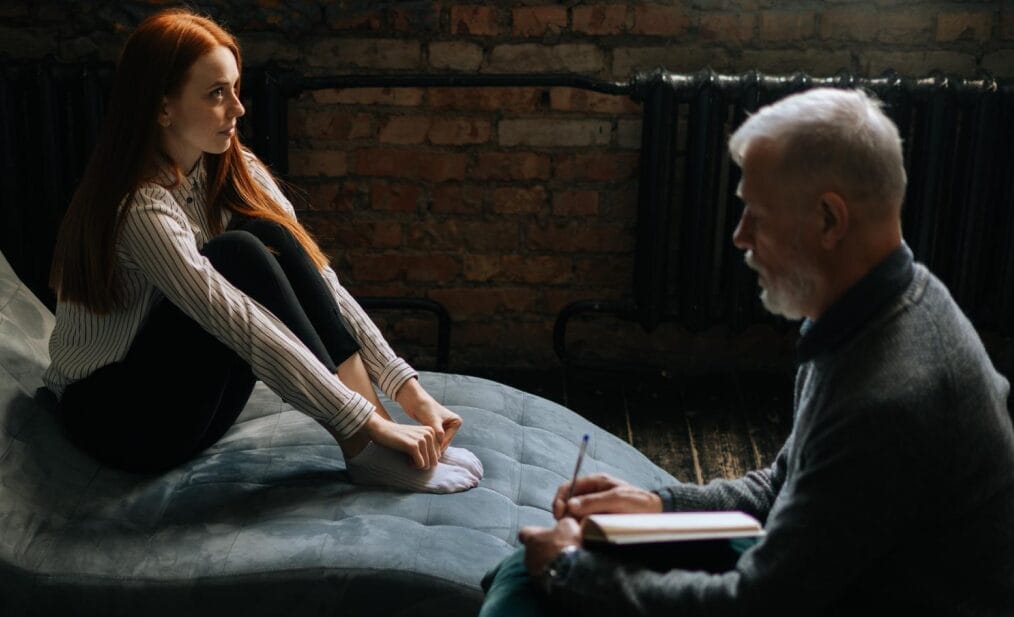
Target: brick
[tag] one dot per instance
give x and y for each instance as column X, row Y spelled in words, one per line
column 318, row 163
column 485, row 301
column 417, row 165
column 576, row 237
column 365, row 53
column 596, row 167
column 601, row 19
column 565, row 57
column 258, row 49
column 456, row 131
column 535, row 269
column 783, row 26
column 484, row 99
column 394, row 196
column 340, row 17
column 576, row 203
column 727, row 27
column 909, row 26
column 849, row 24
column 816, row 62
column 427, row 268
column 604, row 272
column 1000, row 63
column 330, row 124
column 575, row 99
column 919, row 63
column 455, row 55
column 519, row 200
column 545, row 132
column 474, row 20
column 416, row 17
column 539, row 20
column 627, row 60
column 513, row 166
column 457, row 198
column 336, row 196
column 964, row 26
column 657, row 20
column 395, row 97
column 628, row 134
column 405, row 130
column 453, row 234
column 365, row 235
column 367, row 267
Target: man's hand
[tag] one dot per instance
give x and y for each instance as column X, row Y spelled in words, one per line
column 543, row 544
column 602, row 493
column 425, row 410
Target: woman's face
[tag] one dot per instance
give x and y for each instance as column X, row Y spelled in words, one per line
column 203, row 117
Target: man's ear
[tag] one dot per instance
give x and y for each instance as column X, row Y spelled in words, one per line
column 835, row 219
column 164, row 118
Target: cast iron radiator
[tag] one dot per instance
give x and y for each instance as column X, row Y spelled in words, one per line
column 958, row 215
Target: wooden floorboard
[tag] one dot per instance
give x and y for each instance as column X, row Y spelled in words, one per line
column 720, row 433
column 765, row 402
column 696, row 427
column 657, row 425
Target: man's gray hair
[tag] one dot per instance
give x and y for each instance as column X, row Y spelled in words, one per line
column 840, row 136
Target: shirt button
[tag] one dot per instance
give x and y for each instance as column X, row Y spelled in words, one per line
column 190, row 200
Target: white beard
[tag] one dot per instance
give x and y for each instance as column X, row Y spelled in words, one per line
column 789, row 295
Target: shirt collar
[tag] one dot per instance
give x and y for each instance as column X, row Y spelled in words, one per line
column 857, row 306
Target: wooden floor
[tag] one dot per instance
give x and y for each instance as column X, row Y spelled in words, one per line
column 696, row 427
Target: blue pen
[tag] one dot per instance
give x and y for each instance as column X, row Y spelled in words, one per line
column 577, row 468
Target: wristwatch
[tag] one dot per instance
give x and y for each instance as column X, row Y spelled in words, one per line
column 556, row 571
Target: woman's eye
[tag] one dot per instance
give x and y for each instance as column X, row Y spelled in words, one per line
column 218, row 93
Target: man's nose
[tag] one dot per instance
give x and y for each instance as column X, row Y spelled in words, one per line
column 742, row 237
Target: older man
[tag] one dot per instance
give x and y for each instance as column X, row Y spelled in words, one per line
column 894, row 493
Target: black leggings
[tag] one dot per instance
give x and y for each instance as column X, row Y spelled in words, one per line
column 179, row 389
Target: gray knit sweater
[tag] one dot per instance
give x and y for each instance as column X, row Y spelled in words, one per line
column 894, row 493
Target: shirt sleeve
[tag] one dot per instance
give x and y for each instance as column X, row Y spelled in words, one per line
column 385, row 368
column 158, row 240
column 837, row 520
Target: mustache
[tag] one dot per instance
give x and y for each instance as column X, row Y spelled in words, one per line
column 750, row 261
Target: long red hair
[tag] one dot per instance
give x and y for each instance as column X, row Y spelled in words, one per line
column 154, row 64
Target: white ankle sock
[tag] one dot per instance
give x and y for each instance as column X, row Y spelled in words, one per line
column 460, row 457
column 382, row 466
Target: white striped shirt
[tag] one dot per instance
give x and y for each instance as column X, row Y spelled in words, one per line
column 158, row 253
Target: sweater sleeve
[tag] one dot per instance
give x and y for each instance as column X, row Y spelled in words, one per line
column 841, row 514
column 754, row 493
column 157, row 239
column 385, row 368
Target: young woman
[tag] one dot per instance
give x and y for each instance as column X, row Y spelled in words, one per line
column 183, row 276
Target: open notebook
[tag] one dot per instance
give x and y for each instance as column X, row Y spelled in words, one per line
column 669, row 527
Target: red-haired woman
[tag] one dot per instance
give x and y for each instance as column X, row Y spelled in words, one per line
column 183, row 276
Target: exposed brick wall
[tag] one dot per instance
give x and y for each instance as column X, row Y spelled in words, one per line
column 506, row 204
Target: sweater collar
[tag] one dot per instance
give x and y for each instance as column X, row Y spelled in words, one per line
column 885, row 282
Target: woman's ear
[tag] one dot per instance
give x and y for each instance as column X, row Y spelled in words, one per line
column 164, row 117
column 835, row 214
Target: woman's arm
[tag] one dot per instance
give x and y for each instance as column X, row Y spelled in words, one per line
column 157, row 239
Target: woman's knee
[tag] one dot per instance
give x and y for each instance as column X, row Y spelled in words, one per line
column 272, row 234
column 239, row 254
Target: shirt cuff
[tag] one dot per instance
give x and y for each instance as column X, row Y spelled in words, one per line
column 352, row 418
column 394, row 376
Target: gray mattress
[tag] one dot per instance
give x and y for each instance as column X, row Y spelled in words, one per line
column 266, row 521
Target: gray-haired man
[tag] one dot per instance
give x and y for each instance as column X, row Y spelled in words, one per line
column 894, row 492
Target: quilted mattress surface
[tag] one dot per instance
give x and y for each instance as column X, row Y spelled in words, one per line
column 266, row 521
